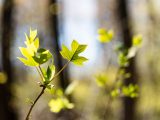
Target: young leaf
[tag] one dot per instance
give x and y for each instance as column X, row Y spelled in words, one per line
column 42, row 56
column 130, row 91
column 115, row 93
column 32, row 45
column 73, row 54
column 123, row 60
column 33, row 55
column 137, row 40
column 56, row 105
column 28, row 62
column 101, row 80
column 105, row 36
column 33, row 34
column 48, row 74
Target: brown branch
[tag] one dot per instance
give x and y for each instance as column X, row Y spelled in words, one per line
column 30, row 110
column 43, row 89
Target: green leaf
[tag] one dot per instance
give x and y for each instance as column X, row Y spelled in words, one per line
column 130, row 91
column 42, row 56
column 56, row 105
column 32, row 45
column 105, row 36
column 73, row 54
column 123, row 60
column 137, row 41
column 33, row 34
column 115, row 93
column 50, row 72
column 28, row 62
column 101, row 80
column 66, row 54
column 78, row 60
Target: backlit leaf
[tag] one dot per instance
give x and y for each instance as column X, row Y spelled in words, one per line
column 73, row 54
column 56, row 105
column 105, row 36
column 137, row 40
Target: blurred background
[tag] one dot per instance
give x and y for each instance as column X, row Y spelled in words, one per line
column 61, row 21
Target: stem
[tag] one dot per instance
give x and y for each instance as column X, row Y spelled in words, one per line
column 40, row 70
column 40, row 73
column 43, row 87
column 30, row 110
column 60, row 70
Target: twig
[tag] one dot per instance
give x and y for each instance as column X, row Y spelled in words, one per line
column 39, row 73
column 30, row 110
column 43, row 88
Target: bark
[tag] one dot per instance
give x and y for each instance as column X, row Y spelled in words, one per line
column 126, row 32
column 64, row 81
column 6, row 110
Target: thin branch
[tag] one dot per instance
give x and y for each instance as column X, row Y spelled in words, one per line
column 40, row 70
column 30, row 110
column 40, row 73
column 60, row 70
column 43, row 88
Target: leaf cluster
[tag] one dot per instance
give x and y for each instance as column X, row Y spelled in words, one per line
column 35, row 56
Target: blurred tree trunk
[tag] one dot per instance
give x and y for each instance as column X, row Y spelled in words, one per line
column 6, row 110
column 126, row 32
column 152, row 35
column 64, row 81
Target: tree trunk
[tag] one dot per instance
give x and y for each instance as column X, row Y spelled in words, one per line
column 126, row 32
column 64, row 81
column 6, row 110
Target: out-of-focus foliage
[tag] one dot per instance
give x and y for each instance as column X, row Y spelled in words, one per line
column 105, row 36
column 56, row 105
column 124, row 56
column 130, row 91
column 101, row 80
column 137, row 41
column 59, row 100
column 3, row 78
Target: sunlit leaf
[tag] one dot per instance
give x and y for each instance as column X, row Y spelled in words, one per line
column 130, row 91
column 123, row 60
column 137, row 40
column 101, row 80
column 105, row 36
column 73, row 54
column 56, row 105
column 32, row 45
column 50, row 72
column 3, row 78
column 33, row 34
column 115, row 93
column 28, row 62
column 42, row 56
